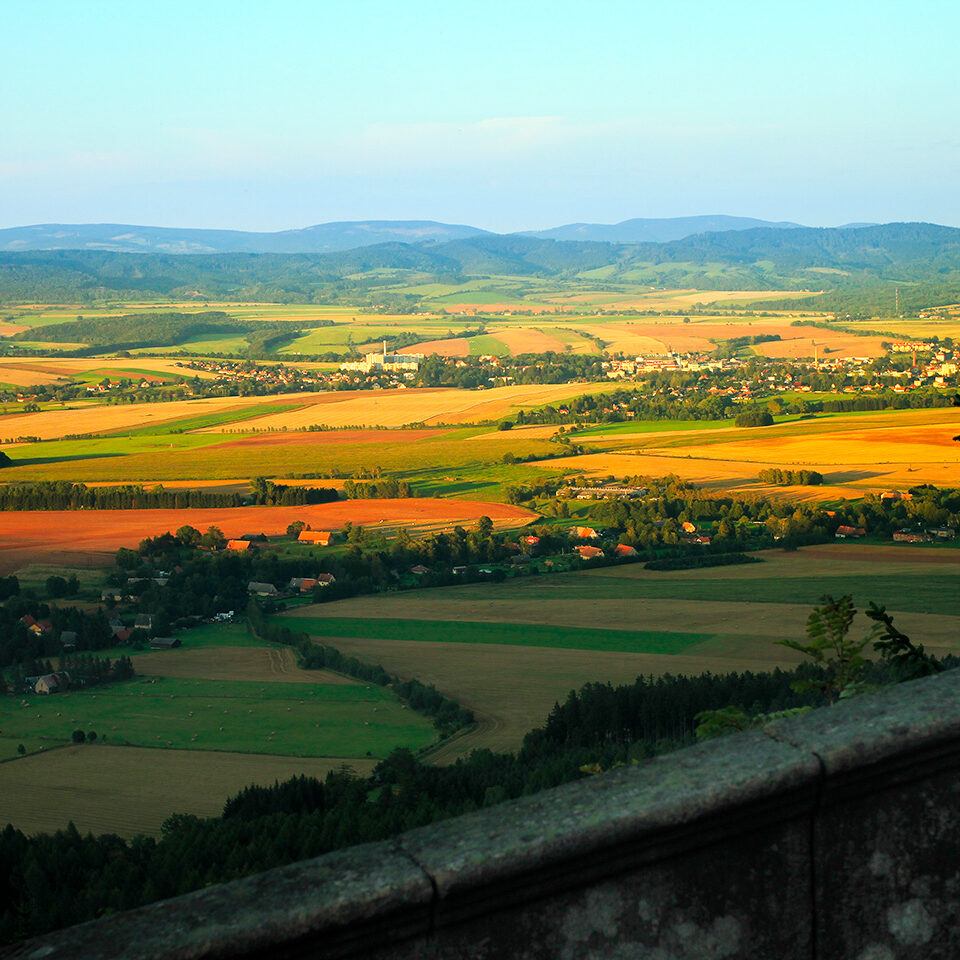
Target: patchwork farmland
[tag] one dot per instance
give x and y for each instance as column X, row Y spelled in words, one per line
column 510, row 651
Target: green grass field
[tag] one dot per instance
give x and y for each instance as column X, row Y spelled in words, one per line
column 512, row 634
column 920, row 593
column 286, row 719
column 160, row 456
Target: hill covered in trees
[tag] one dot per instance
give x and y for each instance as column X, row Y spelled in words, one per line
column 852, row 266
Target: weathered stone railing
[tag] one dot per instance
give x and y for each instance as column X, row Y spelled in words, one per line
column 835, row 834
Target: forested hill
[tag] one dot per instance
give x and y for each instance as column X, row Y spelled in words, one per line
column 852, row 263
column 322, row 238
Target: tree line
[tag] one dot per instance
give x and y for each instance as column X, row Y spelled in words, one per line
column 67, row 495
column 448, row 715
column 788, row 478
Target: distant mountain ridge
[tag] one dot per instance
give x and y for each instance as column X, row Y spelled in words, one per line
column 922, row 259
column 645, row 230
column 349, row 235
column 321, row 238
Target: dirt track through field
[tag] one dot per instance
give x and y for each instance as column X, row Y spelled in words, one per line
column 231, row 663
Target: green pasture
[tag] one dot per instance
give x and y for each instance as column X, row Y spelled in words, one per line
column 159, row 457
column 649, row 426
column 920, row 593
column 287, row 719
column 9, row 746
column 511, row 634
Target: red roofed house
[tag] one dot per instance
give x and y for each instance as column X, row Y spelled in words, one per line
column 625, row 550
column 238, row 545
column 585, row 533
column 322, row 538
column 850, row 533
column 588, row 553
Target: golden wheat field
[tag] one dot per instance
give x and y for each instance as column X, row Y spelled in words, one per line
column 856, row 453
column 83, row 416
column 394, row 408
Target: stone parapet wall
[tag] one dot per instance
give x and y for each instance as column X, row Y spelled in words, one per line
column 834, row 834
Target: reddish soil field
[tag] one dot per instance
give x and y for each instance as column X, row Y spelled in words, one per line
column 454, row 347
column 69, row 536
column 329, row 436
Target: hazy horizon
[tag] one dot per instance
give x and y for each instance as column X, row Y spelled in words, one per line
column 217, row 115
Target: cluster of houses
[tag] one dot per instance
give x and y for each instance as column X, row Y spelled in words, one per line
column 927, row 535
column 590, row 551
column 297, row 585
column 904, row 535
column 603, row 491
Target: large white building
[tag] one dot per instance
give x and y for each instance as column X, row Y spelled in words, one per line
column 386, row 362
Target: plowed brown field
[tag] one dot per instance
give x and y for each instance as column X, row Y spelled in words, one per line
column 35, row 535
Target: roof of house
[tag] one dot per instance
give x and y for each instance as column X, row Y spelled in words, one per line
column 238, row 544
column 316, row 536
column 625, row 550
column 165, row 642
column 254, row 587
column 588, row 552
column 585, row 533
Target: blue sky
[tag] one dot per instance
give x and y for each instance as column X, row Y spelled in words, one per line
column 276, row 114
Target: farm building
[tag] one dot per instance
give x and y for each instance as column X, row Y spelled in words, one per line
column 584, row 533
column 912, row 536
column 144, row 621
column 850, row 533
column 625, row 550
column 322, row 538
column 942, row 533
column 164, row 643
column 68, row 639
column 111, row 593
column 419, row 570
column 262, row 589
column 239, row 545
column 52, row 683
column 588, row 553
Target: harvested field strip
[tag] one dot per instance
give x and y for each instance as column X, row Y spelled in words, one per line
column 513, row 634
column 295, row 719
column 920, row 593
column 333, row 437
column 222, row 419
column 254, row 664
column 125, row 790
column 83, row 418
